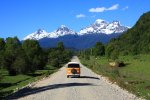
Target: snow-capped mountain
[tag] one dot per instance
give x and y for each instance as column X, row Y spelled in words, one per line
column 61, row 31
column 99, row 31
column 98, row 27
column 39, row 34
column 102, row 26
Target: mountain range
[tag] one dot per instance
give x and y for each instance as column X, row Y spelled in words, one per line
column 100, row 30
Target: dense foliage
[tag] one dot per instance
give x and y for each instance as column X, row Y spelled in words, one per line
column 97, row 50
column 59, row 55
column 28, row 56
column 136, row 40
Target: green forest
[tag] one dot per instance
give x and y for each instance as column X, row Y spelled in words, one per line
column 23, row 62
column 28, row 56
column 135, row 41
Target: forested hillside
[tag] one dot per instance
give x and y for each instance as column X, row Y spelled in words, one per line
column 136, row 40
column 24, row 62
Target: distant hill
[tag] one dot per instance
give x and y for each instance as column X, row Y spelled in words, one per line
column 136, row 40
column 77, row 42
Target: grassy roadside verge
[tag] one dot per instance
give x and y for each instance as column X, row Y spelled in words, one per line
column 134, row 76
column 10, row 84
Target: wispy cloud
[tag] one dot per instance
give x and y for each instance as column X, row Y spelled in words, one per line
column 125, row 8
column 114, row 7
column 102, row 9
column 80, row 16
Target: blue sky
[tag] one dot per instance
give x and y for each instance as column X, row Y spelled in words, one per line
column 22, row 17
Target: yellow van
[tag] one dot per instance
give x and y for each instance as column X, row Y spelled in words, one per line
column 73, row 69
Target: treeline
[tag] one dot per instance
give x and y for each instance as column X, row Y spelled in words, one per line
column 97, row 50
column 26, row 57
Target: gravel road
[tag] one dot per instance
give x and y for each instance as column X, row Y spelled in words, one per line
column 89, row 87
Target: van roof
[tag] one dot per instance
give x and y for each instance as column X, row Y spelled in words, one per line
column 73, row 63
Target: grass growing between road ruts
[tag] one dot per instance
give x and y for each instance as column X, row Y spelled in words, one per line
column 9, row 84
column 134, row 76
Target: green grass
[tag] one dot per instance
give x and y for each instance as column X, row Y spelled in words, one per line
column 9, row 84
column 135, row 76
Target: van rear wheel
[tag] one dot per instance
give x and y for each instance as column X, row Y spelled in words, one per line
column 74, row 71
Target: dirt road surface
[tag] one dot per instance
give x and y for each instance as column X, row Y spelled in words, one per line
column 89, row 87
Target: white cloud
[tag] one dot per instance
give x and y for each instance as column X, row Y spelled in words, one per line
column 80, row 16
column 114, row 7
column 125, row 8
column 102, row 9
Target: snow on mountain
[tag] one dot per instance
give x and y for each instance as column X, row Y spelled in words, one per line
column 102, row 26
column 98, row 27
column 39, row 34
column 61, row 31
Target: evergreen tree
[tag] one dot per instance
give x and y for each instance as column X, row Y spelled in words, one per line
column 2, row 44
column 2, row 49
column 53, row 58
column 60, row 46
column 34, row 54
column 12, row 50
column 59, row 55
column 99, row 49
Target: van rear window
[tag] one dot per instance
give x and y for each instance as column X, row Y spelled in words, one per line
column 73, row 65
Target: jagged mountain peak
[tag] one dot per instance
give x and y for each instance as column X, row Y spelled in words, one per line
column 40, row 33
column 116, row 23
column 102, row 26
column 63, row 28
column 100, row 21
column 61, row 31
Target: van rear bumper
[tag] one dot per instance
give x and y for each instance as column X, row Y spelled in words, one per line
column 73, row 75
